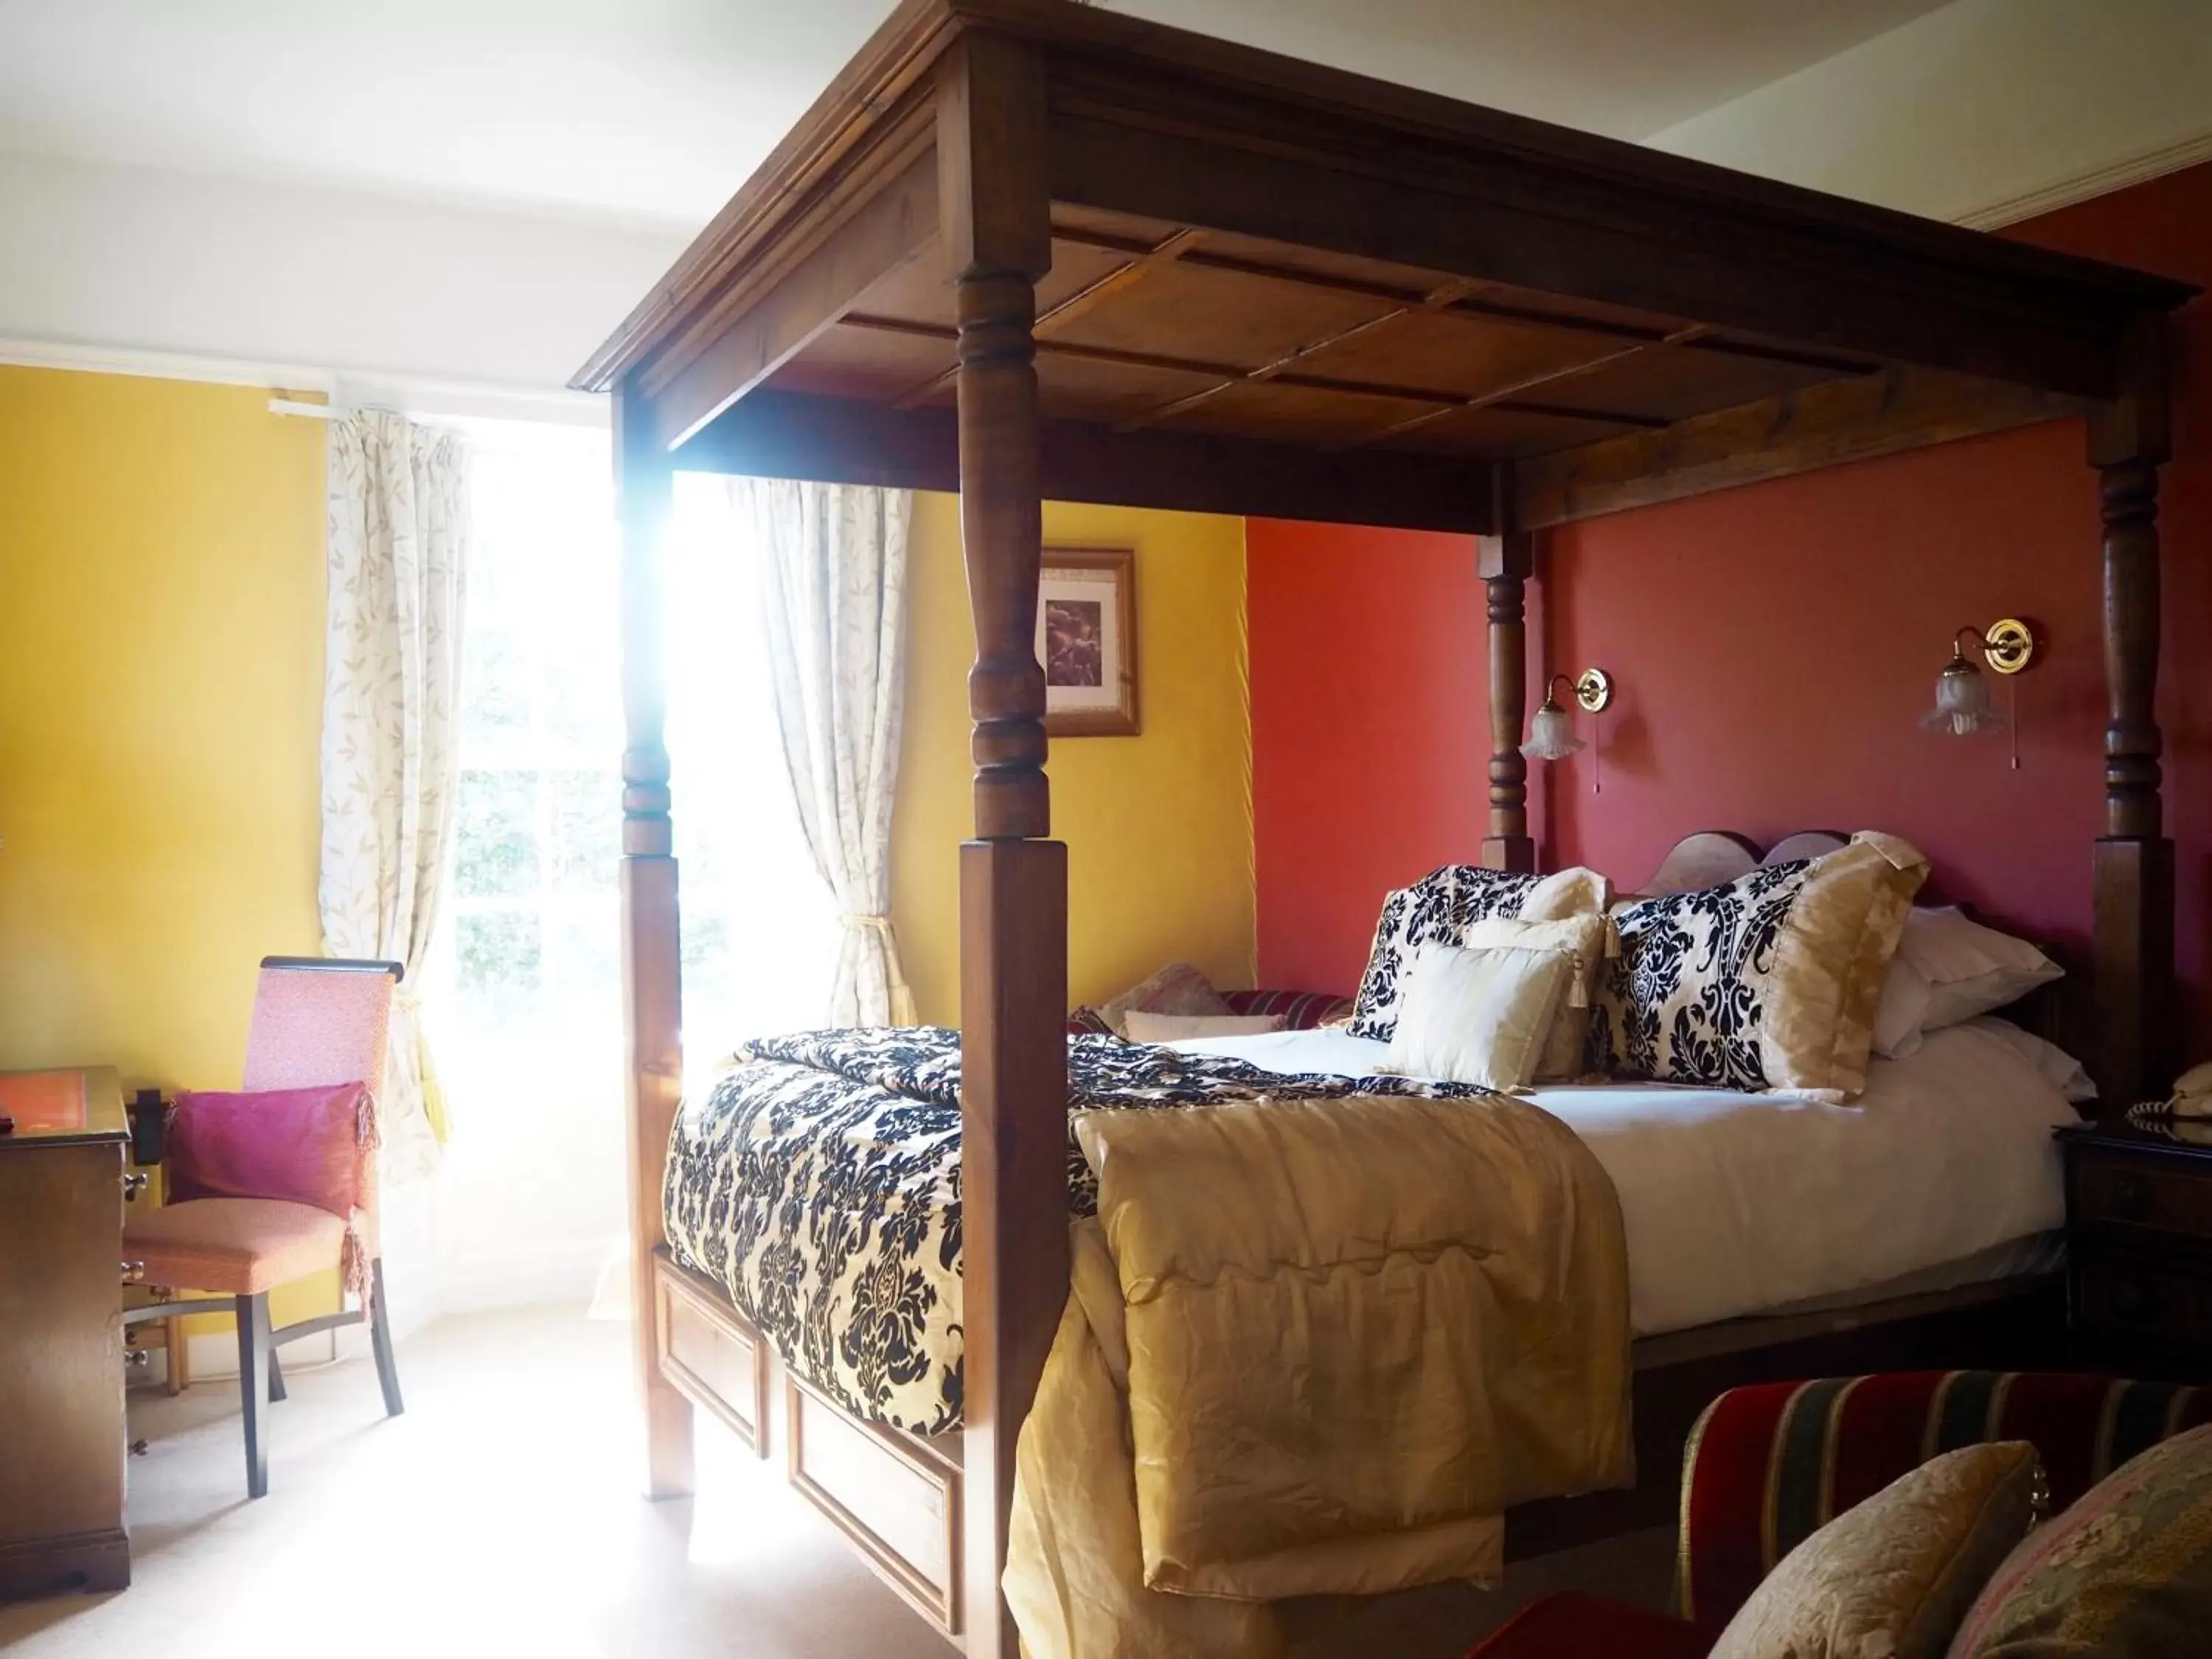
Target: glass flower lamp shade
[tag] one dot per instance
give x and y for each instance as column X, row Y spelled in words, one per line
column 1550, row 733
column 1962, row 701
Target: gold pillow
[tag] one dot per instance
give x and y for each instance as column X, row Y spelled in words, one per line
column 1478, row 1017
column 1893, row 1577
column 1592, row 942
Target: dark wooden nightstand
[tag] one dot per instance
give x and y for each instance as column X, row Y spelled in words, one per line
column 2139, row 1242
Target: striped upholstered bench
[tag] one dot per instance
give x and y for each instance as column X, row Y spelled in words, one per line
column 1768, row 1466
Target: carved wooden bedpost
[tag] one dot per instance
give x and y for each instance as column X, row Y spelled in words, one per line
column 2129, row 439
column 651, row 953
column 1506, row 563
column 996, row 214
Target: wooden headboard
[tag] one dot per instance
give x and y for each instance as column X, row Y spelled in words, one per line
column 1713, row 856
column 2060, row 1012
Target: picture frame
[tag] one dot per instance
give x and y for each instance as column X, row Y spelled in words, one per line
column 1086, row 638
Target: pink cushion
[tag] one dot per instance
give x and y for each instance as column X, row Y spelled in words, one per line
column 240, row 1246
column 304, row 1145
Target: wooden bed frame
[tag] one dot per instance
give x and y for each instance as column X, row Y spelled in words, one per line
column 1027, row 250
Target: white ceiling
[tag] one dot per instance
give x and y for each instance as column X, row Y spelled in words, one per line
column 653, row 110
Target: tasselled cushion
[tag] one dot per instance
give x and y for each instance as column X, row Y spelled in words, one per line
column 1440, row 907
column 2125, row 1573
column 1892, row 1577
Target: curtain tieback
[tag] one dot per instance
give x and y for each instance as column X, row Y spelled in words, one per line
column 880, row 924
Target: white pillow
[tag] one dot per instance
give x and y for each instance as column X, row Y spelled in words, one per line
column 1947, row 970
column 1478, row 1016
column 2060, row 1069
column 1140, row 1025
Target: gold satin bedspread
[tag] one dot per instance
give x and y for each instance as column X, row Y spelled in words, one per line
column 1313, row 1347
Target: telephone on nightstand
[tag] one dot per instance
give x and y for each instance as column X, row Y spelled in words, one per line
column 2192, row 1092
column 2185, row 1114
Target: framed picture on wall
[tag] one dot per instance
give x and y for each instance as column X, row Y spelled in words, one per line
column 1086, row 638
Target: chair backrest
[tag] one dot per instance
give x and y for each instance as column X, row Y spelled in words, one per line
column 1771, row 1463
column 321, row 1021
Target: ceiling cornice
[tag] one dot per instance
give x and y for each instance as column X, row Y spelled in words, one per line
column 2096, row 181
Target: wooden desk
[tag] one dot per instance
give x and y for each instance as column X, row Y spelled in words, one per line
column 61, row 1333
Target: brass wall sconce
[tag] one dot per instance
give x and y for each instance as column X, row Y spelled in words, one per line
column 1551, row 729
column 1962, row 692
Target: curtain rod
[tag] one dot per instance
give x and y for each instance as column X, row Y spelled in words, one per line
column 348, row 390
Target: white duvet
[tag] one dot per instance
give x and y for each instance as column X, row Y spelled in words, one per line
column 1741, row 1203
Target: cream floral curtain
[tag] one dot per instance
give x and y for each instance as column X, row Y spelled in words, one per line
column 832, row 561
column 398, row 563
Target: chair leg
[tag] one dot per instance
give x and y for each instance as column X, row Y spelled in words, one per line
column 179, row 1347
column 379, row 1340
column 276, row 1374
column 253, row 1355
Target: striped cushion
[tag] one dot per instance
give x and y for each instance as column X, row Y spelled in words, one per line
column 1768, row 1466
column 1301, row 1011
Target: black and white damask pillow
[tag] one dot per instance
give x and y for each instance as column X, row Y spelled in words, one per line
column 1682, row 1002
column 1769, row 982
column 1440, row 907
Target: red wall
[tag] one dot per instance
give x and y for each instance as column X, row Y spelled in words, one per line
column 1370, row 731
column 1772, row 647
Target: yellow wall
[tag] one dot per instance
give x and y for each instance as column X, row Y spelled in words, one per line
column 161, row 697
column 1158, row 827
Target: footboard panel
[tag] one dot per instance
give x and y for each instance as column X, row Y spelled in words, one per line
column 895, row 1497
column 712, row 1356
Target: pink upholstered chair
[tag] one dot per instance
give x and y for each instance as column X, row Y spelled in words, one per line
column 317, row 1023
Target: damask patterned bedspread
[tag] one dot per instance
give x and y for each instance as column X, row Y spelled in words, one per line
column 818, row 1183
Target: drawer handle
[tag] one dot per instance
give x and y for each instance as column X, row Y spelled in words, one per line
column 134, row 1271
column 132, row 1186
column 137, row 1358
column 2131, row 1197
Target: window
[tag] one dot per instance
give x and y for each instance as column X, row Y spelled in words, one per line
column 760, row 928
column 524, row 993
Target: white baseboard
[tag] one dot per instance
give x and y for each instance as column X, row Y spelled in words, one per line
column 213, row 1355
column 567, row 1273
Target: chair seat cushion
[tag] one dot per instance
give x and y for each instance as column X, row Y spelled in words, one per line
column 241, row 1246
column 1569, row 1624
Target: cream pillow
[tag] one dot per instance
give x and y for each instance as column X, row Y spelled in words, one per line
column 1142, row 1025
column 1592, row 941
column 1894, row 1577
column 1479, row 1016
column 1440, row 907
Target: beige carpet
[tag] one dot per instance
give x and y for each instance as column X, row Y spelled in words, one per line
column 499, row 1516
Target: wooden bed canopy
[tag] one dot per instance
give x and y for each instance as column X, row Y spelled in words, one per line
column 1025, row 250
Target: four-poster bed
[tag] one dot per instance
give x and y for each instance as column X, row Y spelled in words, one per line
column 1022, row 249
